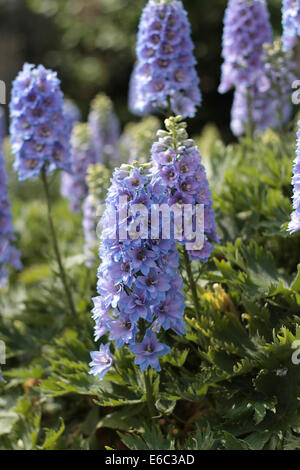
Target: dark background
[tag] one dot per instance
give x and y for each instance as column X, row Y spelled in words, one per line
column 91, row 43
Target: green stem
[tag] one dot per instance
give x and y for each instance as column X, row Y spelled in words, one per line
column 191, row 279
column 250, row 123
column 149, row 394
column 56, row 246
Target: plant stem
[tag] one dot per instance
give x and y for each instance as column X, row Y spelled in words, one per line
column 188, row 268
column 250, row 123
column 55, row 244
column 149, row 394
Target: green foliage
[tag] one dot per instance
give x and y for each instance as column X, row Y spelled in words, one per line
column 228, row 383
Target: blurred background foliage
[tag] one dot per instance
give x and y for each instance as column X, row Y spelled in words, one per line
column 91, row 43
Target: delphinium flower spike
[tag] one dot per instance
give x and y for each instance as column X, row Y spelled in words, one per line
column 98, row 178
column 246, row 29
column 177, row 165
column 72, row 114
column 9, row 255
column 294, row 225
column 290, row 23
column 164, row 76
column 105, row 130
column 139, row 283
column 270, row 104
column 38, row 130
column 40, row 138
column 73, row 186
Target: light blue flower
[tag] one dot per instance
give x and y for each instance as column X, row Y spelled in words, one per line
column 148, row 351
column 101, row 361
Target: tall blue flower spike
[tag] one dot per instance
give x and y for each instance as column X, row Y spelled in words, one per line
column 9, row 255
column 105, row 130
column 294, row 225
column 290, row 23
column 177, row 166
column 269, row 104
column 73, row 185
column 138, row 278
column 39, row 132
column 246, row 29
column 164, row 77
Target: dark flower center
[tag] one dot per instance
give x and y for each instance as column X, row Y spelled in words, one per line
column 57, row 155
column 126, row 268
column 159, row 86
column 167, row 48
column 163, row 63
column 45, row 132
column 141, row 255
column 151, row 281
column 31, row 163
column 38, row 147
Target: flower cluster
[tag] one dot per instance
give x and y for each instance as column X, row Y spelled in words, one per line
column 105, row 129
column 137, row 139
column 267, row 102
column 246, row 29
column 294, row 225
column 263, row 111
column 278, row 73
column 165, row 75
column 39, row 133
column 98, row 177
column 72, row 114
column 177, row 166
column 9, row 255
column 74, row 185
column 139, row 284
column 290, row 23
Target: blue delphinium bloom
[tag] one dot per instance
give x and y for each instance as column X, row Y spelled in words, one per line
column 2, row 124
column 39, row 132
column 164, row 76
column 137, row 274
column 177, row 166
column 148, row 351
column 294, row 225
column 264, row 110
column 105, row 130
column 74, row 186
column 101, row 361
column 9, row 255
column 268, row 99
column 246, row 29
column 290, row 23
column 72, row 114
